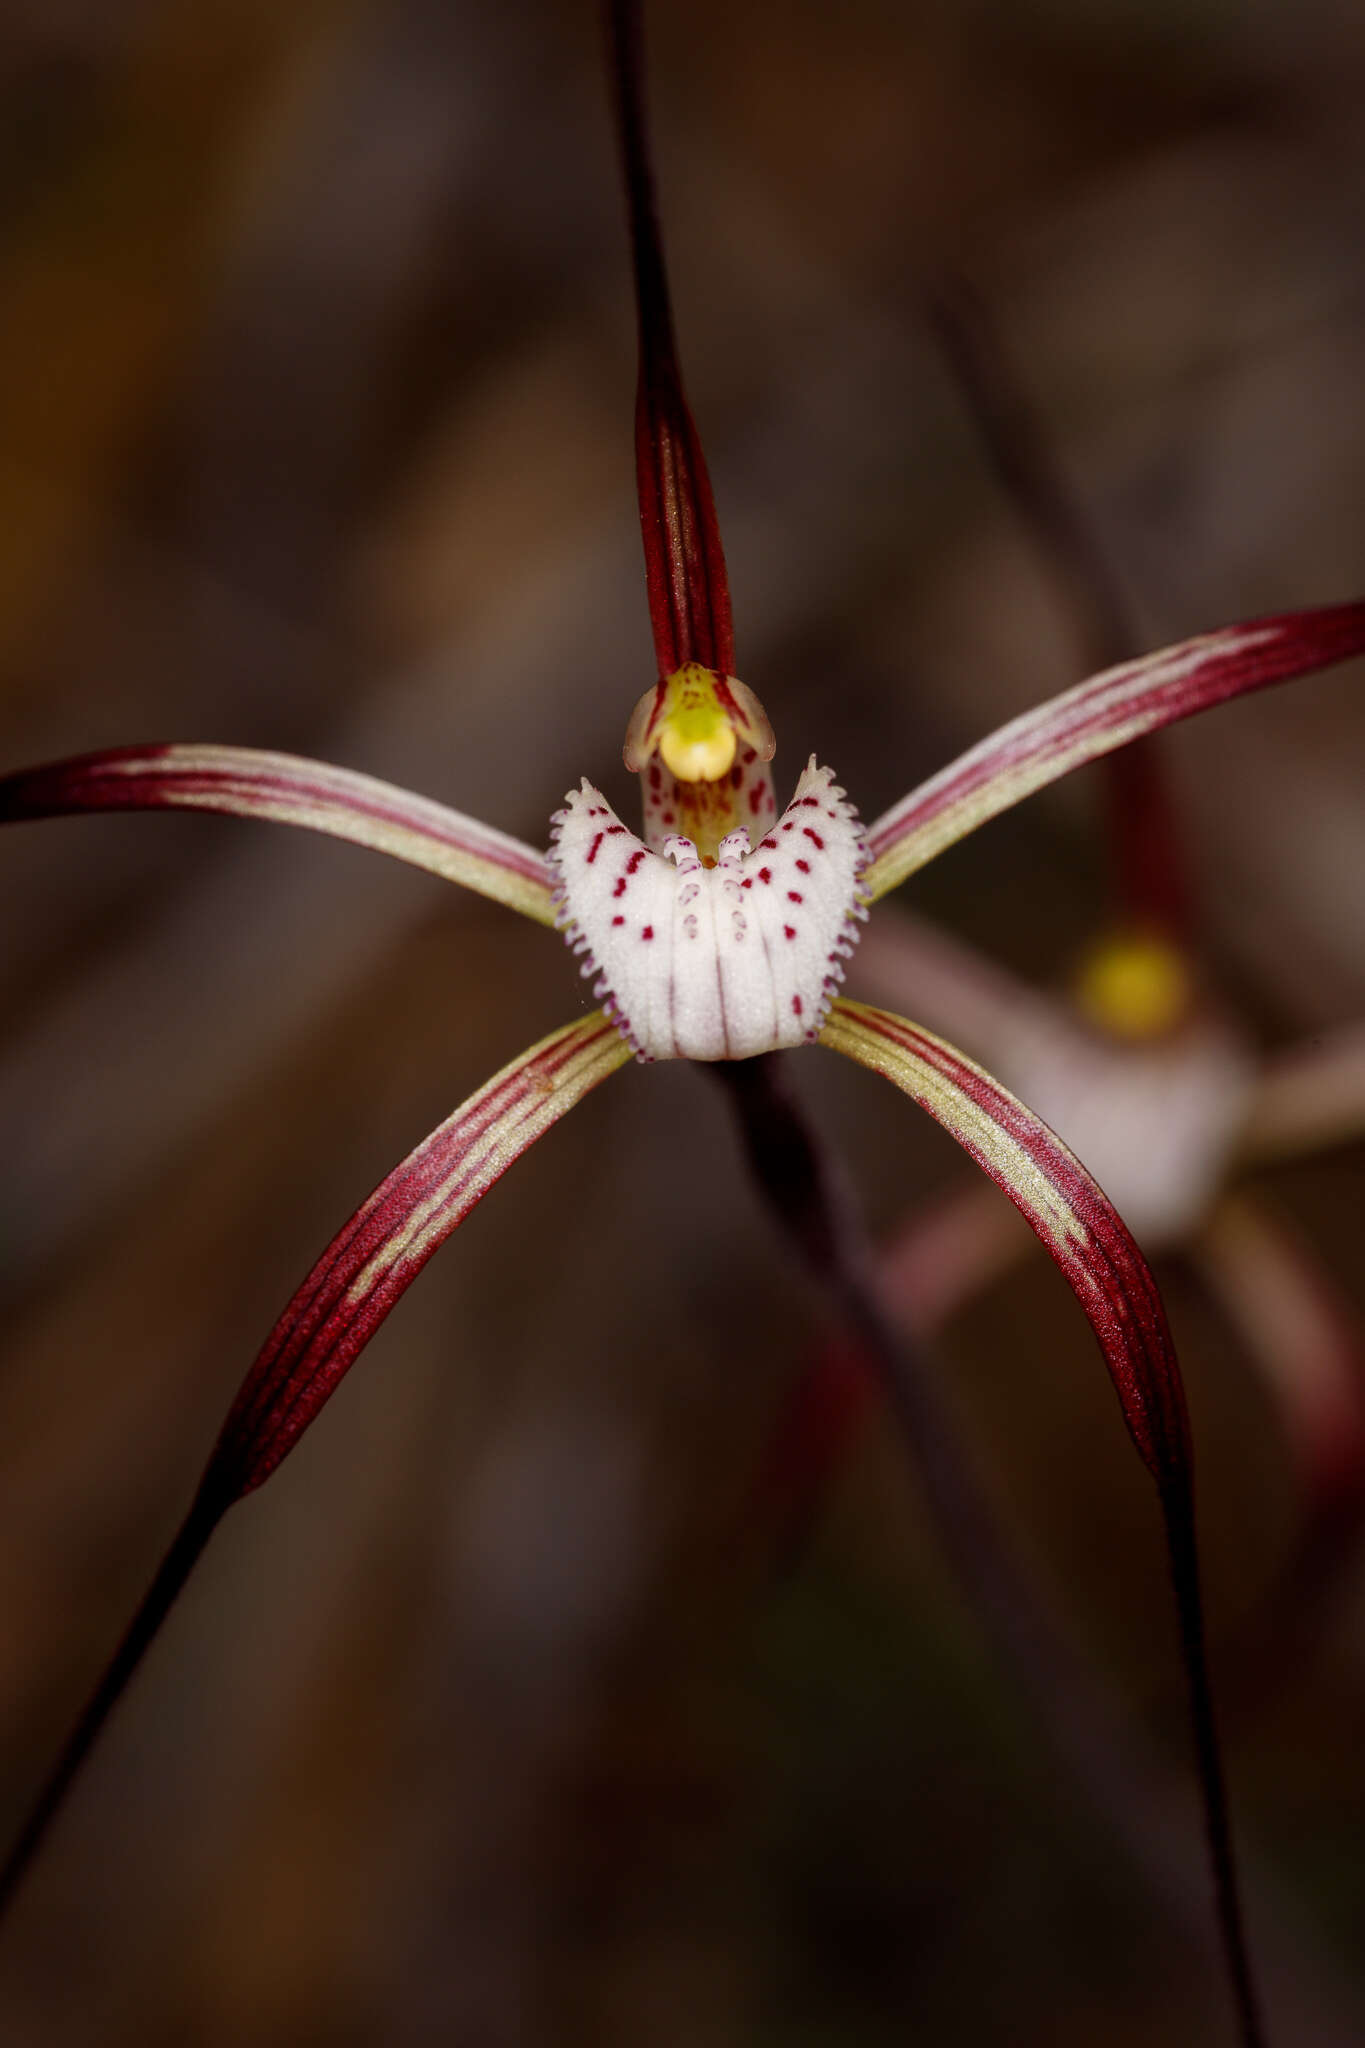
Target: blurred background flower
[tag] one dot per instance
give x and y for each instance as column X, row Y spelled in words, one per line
column 316, row 360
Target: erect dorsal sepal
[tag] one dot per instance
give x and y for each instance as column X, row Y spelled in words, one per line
column 713, row 963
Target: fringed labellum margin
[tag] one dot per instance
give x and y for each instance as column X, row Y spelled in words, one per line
column 713, row 963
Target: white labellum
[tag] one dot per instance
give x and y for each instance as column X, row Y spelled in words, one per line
column 717, row 963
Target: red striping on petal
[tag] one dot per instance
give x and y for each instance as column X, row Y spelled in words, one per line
column 689, row 596
column 1099, row 1257
column 1087, row 1239
column 287, row 789
column 1098, row 715
column 328, row 1322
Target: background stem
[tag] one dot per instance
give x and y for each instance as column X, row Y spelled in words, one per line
column 1151, row 879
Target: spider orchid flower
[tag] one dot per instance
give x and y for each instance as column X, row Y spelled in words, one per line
column 719, row 933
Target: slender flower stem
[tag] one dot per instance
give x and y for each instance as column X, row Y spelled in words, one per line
column 1181, row 1547
column 1082, row 1723
column 1150, row 870
column 206, row 1511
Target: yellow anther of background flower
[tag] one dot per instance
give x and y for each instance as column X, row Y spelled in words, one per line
column 1134, row 985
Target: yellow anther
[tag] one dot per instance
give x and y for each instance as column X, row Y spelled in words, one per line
column 1134, row 986
column 696, row 719
column 698, row 743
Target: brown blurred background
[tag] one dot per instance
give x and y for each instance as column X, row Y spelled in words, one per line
column 494, row 1720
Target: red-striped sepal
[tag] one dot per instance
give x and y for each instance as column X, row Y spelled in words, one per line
column 689, row 593
column 376, row 1257
column 1096, row 717
column 341, row 1304
column 1076, row 1222
column 1086, row 1237
column 286, row 789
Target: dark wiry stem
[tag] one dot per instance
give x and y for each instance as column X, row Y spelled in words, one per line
column 206, row 1511
column 1183, row 1553
column 1081, row 1722
column 689, row 594
column 1152, row 885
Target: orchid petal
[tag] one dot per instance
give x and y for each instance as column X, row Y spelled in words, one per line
column 348, row 1294
column 372, row 1262
column 1086, row 1237
column 286, row 789
column 1077, row 1224
column 713, row 963
column 1097, row 716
